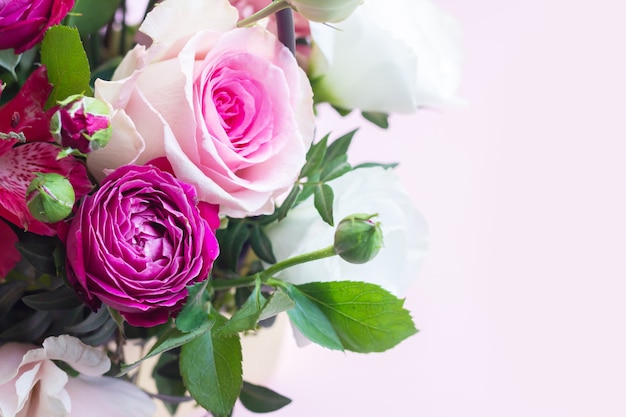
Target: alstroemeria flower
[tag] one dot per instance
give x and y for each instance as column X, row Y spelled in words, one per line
column 388, row 56
column 364, row 190
column 32, row 385
column 19, row 162
column 229, row 108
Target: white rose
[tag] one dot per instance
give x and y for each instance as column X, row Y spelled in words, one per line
column 32, row 385
column 325, row 10
column 389, row 56
column 364, row 190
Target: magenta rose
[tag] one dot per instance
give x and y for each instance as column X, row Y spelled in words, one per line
column 229, row 108
column 24, row 22
column 138, row 242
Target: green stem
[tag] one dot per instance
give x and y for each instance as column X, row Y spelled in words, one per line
column 271, row 8
column 272, row 270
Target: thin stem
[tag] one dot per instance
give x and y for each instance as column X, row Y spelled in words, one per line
column 271, row 8
column 286, row 30
column 263, row 276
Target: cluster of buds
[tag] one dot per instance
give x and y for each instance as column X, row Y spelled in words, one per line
column 81, row 125
column 358, row 239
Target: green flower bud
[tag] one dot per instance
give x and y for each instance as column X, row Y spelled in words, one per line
column 50, row 197
column 325, row 10
column 358, row 239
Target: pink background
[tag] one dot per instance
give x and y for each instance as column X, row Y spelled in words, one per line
column 521, row 301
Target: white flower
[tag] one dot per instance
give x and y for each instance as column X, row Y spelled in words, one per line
column 364, row 190
column 389, row 56
column 32, row 385
column 325, row 10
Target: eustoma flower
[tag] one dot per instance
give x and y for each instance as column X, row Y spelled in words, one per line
column 389, row 56
column 229, row 108
column 137, row 242
column 32, row 385
column 364, row 190
column 24, row 22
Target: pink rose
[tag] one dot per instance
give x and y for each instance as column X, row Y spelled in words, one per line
column 229, row 108
column 24, row 22
column 32, row 385
column 138, row 242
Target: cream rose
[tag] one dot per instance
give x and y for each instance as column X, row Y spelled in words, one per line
column 32, row 385
column 229, row 108
column 325, row 10
column 364, row 190
column 389, row 56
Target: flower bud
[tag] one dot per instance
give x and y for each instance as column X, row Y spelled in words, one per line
column 358, row 239
column 50, row 197
column 325, row 10
column 81, row 124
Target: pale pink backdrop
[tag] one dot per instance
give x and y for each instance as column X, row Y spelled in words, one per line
column 521, row 301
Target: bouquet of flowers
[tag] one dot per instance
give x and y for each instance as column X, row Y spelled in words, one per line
column 162, row 184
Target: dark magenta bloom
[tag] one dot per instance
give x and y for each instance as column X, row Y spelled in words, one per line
column 138, row 242
column 24, row 22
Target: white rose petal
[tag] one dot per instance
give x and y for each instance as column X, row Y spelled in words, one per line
column 365, row 190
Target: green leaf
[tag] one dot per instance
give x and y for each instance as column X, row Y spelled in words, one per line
column 231, row 241
column 89, row 16
column 261, row 244
column 9, row 61
column 195, row 311
column 276, row 303
column 102, row 335
column 314, row 157
column 10, row 293
column 338, row 150
column 38, row 251
column 335, row 170
column 366, row 317
column 170, row 385
column 68, row 68
column 117, row 319
column 61, row 298
column 92, row 322
column 212, row 372
column 391, row 165
column 259, row 399
column 378, row 118
column 311, row 321
column 29, row 329
column 289, row 202
column 246, row 317
column 170, row 339
column 307, row 191
column 323, row 202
